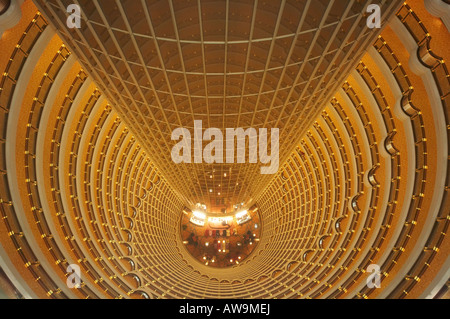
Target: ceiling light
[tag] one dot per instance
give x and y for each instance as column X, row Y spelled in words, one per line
column 241, row 214
column 198, row 214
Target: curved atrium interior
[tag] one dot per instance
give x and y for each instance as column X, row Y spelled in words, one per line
column 88, row 178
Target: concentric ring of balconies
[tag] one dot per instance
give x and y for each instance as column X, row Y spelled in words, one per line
column 360, row 187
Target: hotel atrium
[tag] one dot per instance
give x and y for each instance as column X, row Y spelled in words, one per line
column 359, row 92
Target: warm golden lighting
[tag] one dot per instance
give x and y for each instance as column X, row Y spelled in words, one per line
column 89, row 179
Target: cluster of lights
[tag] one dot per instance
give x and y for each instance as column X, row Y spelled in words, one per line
column 198, row 218
column 236, row 261
column 201, row 206
column 220, row 219
column 242, row 217
column 241, row 214
column 222, row 250
column 207, row 261
column 199, row 215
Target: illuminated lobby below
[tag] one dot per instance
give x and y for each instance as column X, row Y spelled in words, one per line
column 220, row 240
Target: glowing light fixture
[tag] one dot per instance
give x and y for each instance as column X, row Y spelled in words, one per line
column 199, row 215
column 242, row 217
column 198, row 218
column 241, row 214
